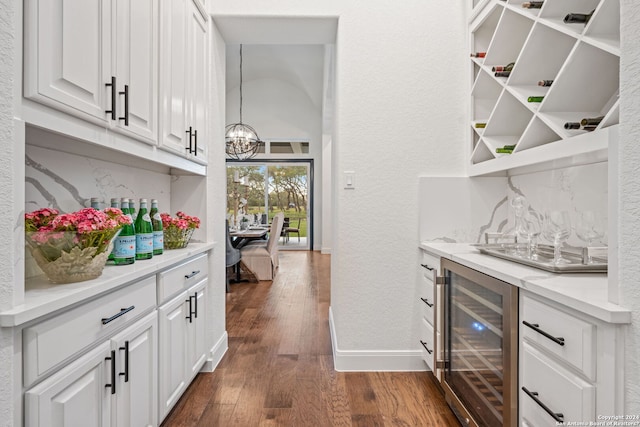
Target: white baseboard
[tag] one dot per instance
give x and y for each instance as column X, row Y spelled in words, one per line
column 374, row 360
column 325, row 251
column 217, row 352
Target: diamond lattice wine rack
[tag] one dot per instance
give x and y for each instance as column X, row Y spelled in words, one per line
column 517, row 121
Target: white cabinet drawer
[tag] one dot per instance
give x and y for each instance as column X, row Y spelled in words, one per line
column 178, row 278
column 427, row 301
column 430, row 266
column 554, row 387
column 426, row 343
column 48, row 344
column 560, row 333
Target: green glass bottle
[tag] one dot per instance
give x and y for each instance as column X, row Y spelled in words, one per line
column 124, row 247
column 132, row 210
column 95, row 204
column 158, row 231
column 115, row 203
column 535, row 99
column 144, row 233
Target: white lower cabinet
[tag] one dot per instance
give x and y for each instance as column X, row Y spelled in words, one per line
column 137, row 380
column 430, row 297
column 182, row 343
column 113, row 384
column 569, row 364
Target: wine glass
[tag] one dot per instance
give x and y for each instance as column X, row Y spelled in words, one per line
column 589, row 227
column 530, row 228
column 557, row 229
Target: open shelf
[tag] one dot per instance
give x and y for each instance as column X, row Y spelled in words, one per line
column 555, row 11
column 504, row 50
column 485, row 94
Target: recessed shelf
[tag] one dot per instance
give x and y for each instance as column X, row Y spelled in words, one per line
column 536, row 134
column 485, row 93
column 555, row 11
column 605, row 28
column 504, row 50
column 509, row 118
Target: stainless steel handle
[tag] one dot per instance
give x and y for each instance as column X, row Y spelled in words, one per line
column 558, row 416
column 426, row 301
column 536, row 327
column 424, row 344
column 122, row 312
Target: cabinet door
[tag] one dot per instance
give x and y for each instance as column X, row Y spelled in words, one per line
column 76, row 396
column 136, row 35
column 173, row 66
column 172, row 357
column 197, row 89
column 196, row 335
column 67, row 55
column 137, row 357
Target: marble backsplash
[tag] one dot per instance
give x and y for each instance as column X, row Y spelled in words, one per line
column 67, row 182
column 461, row 209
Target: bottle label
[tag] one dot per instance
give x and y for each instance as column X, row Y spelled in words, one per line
column 146, row 217
column 144, row 243
column 158, row 240
column 157, row 216
column 124, row 247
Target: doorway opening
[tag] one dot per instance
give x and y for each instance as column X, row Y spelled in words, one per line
column 259, row 189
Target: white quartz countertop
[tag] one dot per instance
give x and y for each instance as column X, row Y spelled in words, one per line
column 585, row 292
column 43, row 297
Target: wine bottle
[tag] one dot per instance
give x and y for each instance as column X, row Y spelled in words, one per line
column 115, row 203
column 572, row 125
column 480, row 125
column 502, row 73
column 589, row 128
column 504, row 150
column 535, row 99
column 507, row 67
column 591, row 121
column 124, row 246
column 479, row 55
column 509, row 147
column 578, row 18
column 158, row 233
column 95, row 204
column 545, row 82
column 532, row 4
column 144, row 233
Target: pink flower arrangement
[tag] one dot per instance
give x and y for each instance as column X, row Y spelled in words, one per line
column 178, row 230
column 52, row 233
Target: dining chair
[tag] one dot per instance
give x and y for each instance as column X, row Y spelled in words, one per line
column 285, row 227
column 294, row 230
column 262, row 260
column 233, row 258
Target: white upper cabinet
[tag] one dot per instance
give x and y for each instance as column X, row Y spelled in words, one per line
column 136, row 67
column 68, row 56
column 96, row 60
column 561, row 72
column 183, row 79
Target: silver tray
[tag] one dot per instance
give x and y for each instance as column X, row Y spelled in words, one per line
column 545, row 258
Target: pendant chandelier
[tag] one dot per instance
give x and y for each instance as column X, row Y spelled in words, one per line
column 242, row 141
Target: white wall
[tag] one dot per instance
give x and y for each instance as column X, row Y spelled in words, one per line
column 629, row 194
column 397, row 116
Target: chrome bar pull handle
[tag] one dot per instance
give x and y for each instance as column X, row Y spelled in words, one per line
column 558, row 416
column 536, row 327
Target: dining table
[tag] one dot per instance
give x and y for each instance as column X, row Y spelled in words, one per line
column 239, row 238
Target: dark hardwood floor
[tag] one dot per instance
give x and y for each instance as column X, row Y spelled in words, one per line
column 279, row 371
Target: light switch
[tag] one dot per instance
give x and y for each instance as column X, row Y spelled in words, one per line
column 349, row 180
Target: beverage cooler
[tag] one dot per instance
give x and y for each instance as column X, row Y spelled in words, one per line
column 480, row 347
